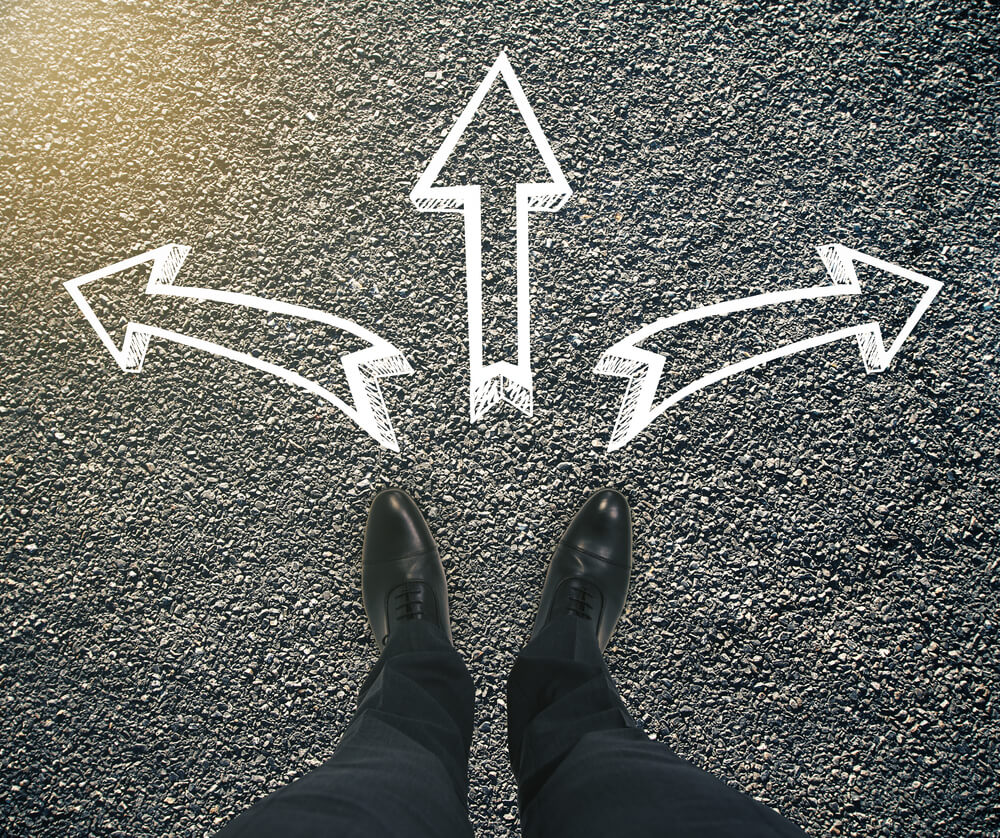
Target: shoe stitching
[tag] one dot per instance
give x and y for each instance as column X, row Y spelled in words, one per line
column 417, row 554
column 590, row 555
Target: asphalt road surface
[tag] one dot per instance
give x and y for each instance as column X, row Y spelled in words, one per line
column 813, row 613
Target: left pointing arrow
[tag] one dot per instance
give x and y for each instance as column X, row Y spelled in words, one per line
column 362, row 368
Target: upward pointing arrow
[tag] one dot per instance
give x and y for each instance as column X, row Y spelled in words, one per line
column 362, row 368
column 643, row 368
column 500, row 380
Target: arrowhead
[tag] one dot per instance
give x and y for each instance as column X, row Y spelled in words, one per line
column 167, row 261
column 841, row 263
column 549, row 195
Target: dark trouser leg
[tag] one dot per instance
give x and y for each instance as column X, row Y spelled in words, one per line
column 584, row 769
column 401, row 767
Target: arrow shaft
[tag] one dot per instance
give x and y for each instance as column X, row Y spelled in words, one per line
column 523, row 282
column 736, row 306
column 266, row 305
column 362, row 367
column 643, row 368
column 757, row 361
column 251, row 361
column 474, row 277
column 475, row 231
column 514, row 379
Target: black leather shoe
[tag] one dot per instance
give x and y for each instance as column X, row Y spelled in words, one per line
column 589, row 571
column 401, row 574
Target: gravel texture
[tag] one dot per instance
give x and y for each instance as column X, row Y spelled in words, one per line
column 813, row 614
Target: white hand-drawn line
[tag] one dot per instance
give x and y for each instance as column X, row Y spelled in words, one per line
column 643, row 368
column 362, row 368
column 501, row 380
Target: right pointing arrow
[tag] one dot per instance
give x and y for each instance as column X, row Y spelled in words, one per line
column 643, row 368
column 362, row 368
column 499, row 381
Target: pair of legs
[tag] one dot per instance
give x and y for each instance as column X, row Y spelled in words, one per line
column 582, row 766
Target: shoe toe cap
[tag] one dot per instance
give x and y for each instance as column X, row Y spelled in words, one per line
column 395, row 528
column 603, row 527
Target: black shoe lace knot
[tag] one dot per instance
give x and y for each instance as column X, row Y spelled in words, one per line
column 409, row 601
column 580, row 600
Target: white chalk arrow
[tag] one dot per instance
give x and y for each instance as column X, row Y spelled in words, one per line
column 500, row 380
column 362, row 368
column 643, row 368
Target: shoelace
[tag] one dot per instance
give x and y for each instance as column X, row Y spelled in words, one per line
column 409, row 602
column 579, row 601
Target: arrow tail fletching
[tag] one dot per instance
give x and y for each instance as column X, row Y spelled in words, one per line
column 642, row 369
column 363, row 370
column 499, row 388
